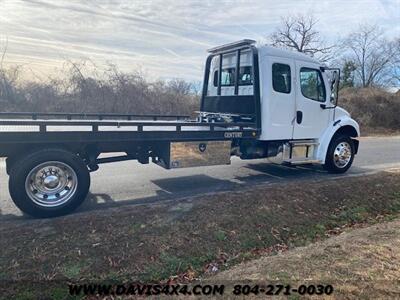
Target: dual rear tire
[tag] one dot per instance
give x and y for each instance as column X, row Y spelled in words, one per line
column 49, row 183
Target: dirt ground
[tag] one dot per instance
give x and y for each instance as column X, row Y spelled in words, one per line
column 360, row 264
column 190, row 238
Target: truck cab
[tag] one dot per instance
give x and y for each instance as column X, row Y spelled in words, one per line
column 290, row 96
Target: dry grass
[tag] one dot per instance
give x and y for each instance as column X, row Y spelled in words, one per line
column 375, row 110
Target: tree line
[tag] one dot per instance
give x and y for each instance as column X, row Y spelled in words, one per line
column 103, row 91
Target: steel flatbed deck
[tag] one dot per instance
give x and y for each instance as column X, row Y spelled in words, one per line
column 74, row 129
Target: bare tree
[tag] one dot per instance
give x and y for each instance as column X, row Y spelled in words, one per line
column 348, row 69
column 395, row 65
column 3, row 54
column 299, row 33
column 372, row 54
column 8, row 79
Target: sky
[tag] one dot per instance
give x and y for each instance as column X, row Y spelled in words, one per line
column 162, row 38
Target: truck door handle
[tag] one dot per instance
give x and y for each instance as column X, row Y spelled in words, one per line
column 299, row 116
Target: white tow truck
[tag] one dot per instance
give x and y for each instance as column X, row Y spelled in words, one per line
column 257, row 102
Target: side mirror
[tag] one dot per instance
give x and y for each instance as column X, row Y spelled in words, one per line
column 334, row 86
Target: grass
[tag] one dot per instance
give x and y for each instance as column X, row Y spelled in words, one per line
column 354, row 214
column 25, row 295
column 172, row 265
column 156, row 243
column 72, row 271
column 220, row 235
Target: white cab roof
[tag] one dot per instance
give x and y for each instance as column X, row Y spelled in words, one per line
column 264, row 50
column 272, row 51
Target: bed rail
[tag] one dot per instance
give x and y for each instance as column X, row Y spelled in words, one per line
column 80, row 116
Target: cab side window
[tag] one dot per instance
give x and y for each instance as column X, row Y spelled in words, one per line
column 228, row 77
column 312, row 84
column 281, row 79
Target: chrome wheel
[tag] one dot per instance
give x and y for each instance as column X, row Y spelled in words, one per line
column 51, row 184
column 342, row 155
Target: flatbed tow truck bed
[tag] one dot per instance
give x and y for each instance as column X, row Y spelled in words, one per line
column 89, row 135
column 49, row 128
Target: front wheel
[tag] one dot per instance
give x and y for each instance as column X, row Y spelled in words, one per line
column 49, row 183
column 340, row 154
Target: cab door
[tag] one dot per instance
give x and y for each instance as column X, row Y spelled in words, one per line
column 278, row 98
column 312, row 90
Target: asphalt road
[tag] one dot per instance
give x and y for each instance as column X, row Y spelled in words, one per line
column 132, row 183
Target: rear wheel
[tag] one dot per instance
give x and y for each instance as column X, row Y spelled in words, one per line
column 49, row 183
column 340, row 154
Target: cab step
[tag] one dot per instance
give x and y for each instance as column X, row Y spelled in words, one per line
column 300, row 152
column 303, row 162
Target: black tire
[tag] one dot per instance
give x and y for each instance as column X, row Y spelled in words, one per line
column 332, row 165
column 20, row 186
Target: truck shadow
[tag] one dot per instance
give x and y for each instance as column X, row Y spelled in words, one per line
column 170, row 189
column 196, row 185
column 286, row 172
